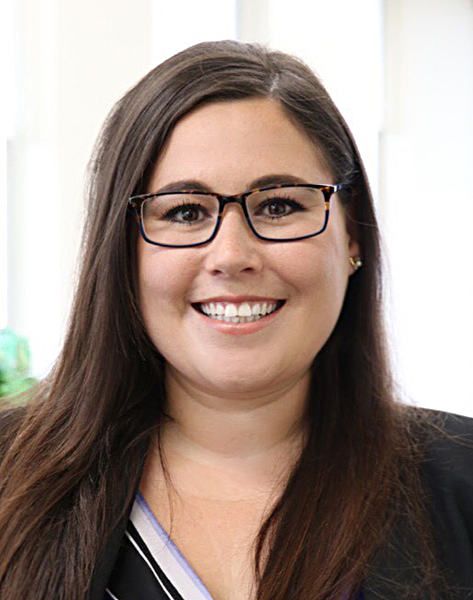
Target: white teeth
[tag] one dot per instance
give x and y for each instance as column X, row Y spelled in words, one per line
column 231, row 310
column 256, row 310
column 244, row 310
column 242, row 313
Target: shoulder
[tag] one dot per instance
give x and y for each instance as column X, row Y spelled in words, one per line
column 447, row 457
column 446, row 471
column 445, row 442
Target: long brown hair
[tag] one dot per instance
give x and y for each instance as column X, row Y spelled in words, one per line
column 74, row 454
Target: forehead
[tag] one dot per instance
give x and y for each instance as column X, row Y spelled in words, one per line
column 228, row 144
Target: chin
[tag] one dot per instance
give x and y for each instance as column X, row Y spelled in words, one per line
column 232, row 387
column 240, row 378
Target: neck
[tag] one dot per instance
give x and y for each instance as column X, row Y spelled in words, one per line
column 225, row 447
column 211, row 425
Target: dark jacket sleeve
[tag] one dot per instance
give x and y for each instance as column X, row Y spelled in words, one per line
column 447, row 477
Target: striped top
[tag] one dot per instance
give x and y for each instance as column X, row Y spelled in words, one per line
column 150, row 566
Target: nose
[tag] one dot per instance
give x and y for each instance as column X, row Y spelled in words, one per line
column 235, row 249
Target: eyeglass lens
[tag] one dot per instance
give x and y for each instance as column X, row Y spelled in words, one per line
column 183, row 218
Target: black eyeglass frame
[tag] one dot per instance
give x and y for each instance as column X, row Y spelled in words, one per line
column 136, row 203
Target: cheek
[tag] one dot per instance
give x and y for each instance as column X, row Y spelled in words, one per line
column 164, row 280
column 320, row 277
column 320, row 269
column 322, row 263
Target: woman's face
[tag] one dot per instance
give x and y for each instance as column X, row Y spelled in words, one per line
column 226, row 147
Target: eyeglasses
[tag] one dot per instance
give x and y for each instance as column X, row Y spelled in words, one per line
column 280, row 213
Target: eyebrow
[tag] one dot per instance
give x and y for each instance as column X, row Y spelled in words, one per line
column 275, row 180
column 191, row 185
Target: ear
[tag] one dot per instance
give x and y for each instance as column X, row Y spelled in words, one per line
column 352, row 228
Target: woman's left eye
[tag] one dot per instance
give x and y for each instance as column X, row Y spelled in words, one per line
column 278, row 207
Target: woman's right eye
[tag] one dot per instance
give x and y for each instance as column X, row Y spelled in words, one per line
column 185, row 213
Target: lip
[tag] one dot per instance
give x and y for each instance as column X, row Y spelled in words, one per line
column 239, row 328
column 237, row 299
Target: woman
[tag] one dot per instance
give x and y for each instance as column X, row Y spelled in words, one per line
column 224, row 386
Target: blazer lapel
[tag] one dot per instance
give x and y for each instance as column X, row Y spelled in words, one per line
column 106, row 561
column 105, row 564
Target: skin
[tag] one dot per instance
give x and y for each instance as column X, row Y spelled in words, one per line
column 237, row 401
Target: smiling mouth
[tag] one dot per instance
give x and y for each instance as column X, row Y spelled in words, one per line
column 243, row 312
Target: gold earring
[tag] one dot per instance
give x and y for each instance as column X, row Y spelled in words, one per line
column 356, row 263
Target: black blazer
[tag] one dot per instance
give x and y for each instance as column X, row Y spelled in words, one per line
column 447, row 471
